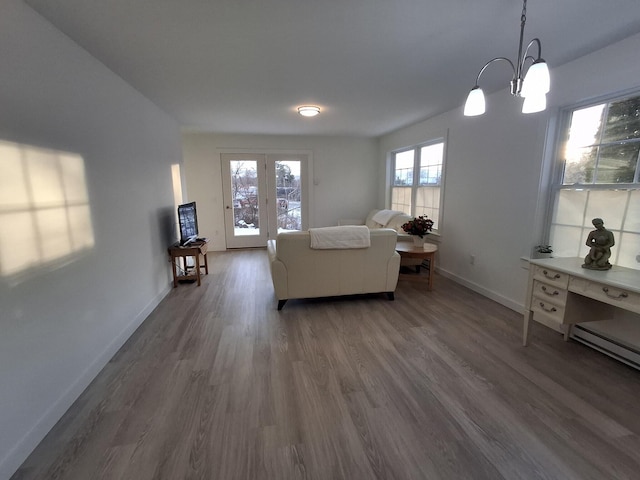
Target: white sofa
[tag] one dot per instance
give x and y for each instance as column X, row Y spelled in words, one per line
column 395, row 223
column 298, row 271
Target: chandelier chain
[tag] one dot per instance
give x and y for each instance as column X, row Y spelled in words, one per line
column 523, row 17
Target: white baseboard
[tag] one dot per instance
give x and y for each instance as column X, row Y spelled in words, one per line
column 507, row 302
column 23, row 448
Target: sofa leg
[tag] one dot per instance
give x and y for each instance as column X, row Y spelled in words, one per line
column 390, row 296
column 281, row 303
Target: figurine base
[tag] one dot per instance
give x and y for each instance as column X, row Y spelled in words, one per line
column 596, row 267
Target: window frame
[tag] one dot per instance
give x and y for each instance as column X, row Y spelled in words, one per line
column 416, row 184
column 557, row 185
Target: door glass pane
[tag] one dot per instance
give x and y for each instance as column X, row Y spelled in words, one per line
column 244, row 191
column 288, row 195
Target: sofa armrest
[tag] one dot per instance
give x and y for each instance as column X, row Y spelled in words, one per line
column 393, row 268
column 272, row 250
column 278, row 272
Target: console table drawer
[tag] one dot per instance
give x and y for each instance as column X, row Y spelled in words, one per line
column 550, row 293
column 552, row 277
column 605, row 293
column 548, row 309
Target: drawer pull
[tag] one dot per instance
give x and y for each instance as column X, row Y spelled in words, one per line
column 620, row 295
column 546, row 274
column 552, row 309
column 551, row 294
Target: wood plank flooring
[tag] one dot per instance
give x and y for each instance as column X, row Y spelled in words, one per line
column 217, row 384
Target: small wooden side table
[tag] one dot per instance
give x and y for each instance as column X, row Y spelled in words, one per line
column 194, row 249
column 428, row 252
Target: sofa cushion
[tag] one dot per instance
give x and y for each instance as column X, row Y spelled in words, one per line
column 395, row 222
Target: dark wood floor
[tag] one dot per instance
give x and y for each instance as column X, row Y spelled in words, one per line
column 217, row 384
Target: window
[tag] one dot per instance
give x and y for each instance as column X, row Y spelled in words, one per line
column 416, row 188
column 599, row 178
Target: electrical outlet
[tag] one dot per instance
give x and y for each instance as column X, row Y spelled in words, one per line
column 472, row 259
column 638, row 258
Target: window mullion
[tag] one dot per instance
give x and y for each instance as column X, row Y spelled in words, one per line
column 416, row 180
column 605, row 115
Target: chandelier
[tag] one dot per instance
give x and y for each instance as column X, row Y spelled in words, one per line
column 533, row 87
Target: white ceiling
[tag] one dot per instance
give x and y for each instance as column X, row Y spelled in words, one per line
column 242, row 66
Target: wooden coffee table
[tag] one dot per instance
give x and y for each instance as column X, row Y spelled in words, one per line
column 428, row 252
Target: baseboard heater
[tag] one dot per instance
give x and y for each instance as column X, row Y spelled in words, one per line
column 608, row 346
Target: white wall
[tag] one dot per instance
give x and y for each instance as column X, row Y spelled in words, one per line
column 498, row 169
column 345, row 174
column 62, row 321
column 496, row 179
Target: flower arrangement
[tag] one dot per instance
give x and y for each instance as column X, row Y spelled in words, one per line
column 419, row 226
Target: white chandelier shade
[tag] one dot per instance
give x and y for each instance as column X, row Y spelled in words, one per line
column 534, row 103
column 475, row 104
column 537, row 81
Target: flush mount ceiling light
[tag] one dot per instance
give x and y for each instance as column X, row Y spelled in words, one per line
column 308, row 110
column 533, row 88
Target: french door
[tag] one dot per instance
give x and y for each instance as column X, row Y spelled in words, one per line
column 263, row 194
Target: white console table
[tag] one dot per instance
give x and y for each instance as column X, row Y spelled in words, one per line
column 561, row 293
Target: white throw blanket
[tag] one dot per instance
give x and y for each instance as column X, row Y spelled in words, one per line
column 384, row 216
column 348, row 236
